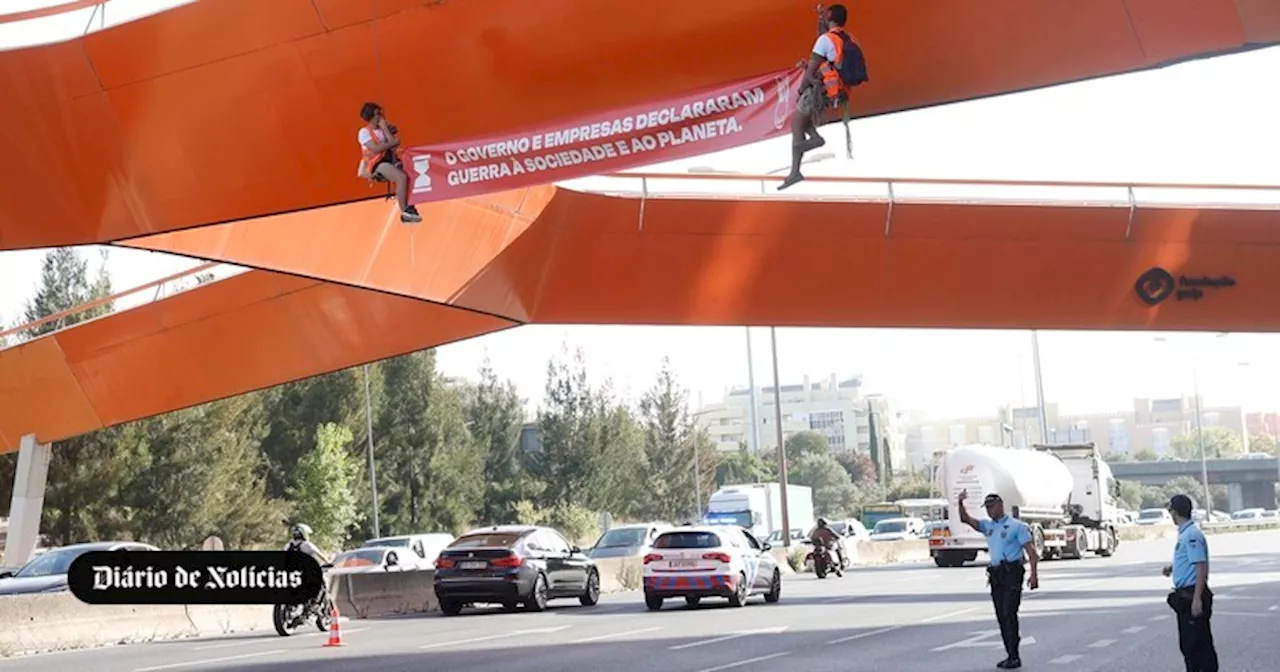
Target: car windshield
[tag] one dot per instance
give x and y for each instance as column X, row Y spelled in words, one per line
column 486, row 539
column 687, row 540
column 50, row 563
column 890, row 526
column 358, row 559
column 622, row 538
column 1151, row 513
column 390, row 541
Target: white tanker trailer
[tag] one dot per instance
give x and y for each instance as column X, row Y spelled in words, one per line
column 1065, row 494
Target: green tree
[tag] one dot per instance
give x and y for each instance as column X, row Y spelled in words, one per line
column 569, row 433
column 744, row 466
column 1218, row 442
column 680, row 460
column 1145, row 455
column 199, row 472
column 911, row 486
column 64, row 285
column 453, row 472
column 296, row 409
column 1259, row 443
column 496, row 415
column 861, row 468
column 1131, row 494
column 806, row 443
column 400, row 441
column 322, row 495
column 834, row 494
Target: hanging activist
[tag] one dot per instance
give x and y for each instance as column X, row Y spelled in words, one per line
column 379, row 162
column 836, row 66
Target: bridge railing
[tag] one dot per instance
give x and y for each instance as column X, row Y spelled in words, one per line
column 715, row 184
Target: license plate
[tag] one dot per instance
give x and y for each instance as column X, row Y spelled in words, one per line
column 473, row 564
column 683, row 563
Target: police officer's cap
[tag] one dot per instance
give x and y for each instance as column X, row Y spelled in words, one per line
column 1181, row 505
column 992, row 498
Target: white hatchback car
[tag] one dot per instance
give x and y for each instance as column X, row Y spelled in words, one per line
column 704, row 561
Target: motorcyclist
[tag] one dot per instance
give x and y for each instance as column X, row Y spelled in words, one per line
column 301, row 543
column 828, row 538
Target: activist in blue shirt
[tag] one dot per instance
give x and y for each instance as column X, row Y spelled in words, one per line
column 1007, row 540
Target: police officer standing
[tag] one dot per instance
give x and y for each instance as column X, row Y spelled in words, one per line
column 1007, row 539
column 1191, row 598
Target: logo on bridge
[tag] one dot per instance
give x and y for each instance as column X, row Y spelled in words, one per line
column 1156, row 285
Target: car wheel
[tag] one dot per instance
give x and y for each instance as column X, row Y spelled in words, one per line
column 591, row 596
column 741, row 592
column 775, row 589
column 653, row 602
column 511, row 605
column 450, row 607
column 538, row 598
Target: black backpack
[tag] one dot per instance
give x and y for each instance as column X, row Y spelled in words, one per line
column 853, row 65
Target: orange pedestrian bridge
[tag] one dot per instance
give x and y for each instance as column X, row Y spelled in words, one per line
column 221, row 130
column 335, row 287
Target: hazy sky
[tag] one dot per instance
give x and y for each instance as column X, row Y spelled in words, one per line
column 1205, row 121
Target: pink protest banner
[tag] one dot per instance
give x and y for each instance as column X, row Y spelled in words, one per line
column 697, row 123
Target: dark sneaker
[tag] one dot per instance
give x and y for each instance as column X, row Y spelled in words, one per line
column 1010, row 664
column 409, row 216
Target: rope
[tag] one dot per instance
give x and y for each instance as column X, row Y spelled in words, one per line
column 377, row 51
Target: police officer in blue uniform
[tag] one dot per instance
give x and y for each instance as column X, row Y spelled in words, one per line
column 1191, row 598
column 1007, row 540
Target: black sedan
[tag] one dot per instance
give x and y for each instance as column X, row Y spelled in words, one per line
column 513, row 565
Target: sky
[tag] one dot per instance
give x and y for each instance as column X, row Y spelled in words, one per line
column 1209, row 121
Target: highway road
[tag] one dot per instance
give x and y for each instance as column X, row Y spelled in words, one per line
column 1091, row 614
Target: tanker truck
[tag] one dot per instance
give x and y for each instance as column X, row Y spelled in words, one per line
column 1064, row 493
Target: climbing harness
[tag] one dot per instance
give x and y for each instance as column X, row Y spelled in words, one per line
column 834, row 73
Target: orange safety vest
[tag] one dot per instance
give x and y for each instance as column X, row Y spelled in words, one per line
column 832, row 85
column 370, row 159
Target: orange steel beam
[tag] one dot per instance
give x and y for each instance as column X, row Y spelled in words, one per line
column 220, row 111
column 105, row 300
column 574, row 257
column 247, row 332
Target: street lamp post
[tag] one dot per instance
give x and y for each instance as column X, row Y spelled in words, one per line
column 373, row 476
column 1195, row 391
column 1035, row 363
column 782, row 449
column 755, row 403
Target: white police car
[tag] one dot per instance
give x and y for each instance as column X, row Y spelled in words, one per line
column 709, row 561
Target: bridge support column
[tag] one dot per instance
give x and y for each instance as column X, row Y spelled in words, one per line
column 28, row 501
column 1258, row 495
column 1235, row 497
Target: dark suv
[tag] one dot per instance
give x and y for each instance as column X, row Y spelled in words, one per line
column 513, row 565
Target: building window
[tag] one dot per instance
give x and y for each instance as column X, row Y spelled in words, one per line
column 1160, row 440
column 1119, row 435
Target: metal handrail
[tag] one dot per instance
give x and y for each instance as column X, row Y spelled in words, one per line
column 64, row 8
column 75, row 310
column 737, row 177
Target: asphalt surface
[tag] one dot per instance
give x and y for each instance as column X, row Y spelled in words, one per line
column 1091, row 614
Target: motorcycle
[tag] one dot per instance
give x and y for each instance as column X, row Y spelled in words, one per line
column 287, row 618
column 820, row 556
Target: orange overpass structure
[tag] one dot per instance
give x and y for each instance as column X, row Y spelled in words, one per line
column 227, row 110
column 349, row 284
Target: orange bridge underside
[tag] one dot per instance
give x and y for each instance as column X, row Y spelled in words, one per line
column 349, row 284
column 219, row 111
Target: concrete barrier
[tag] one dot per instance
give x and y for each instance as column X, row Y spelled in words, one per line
column 373, row 594
column 892, row 552
column 1146, row 532
column 34, row 623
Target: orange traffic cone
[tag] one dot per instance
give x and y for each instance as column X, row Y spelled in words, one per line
column 335, row 630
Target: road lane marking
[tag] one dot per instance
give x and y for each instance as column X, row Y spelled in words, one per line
column 1063, row 660
column 1274, row 607
column 725, row 638
column 1102, row 643
column 748, row 661
column 263, row 640
column 1161, row 617
column 488, row 638
column 1134, row 630
column 891, row 628
column 1241, row 613
column 613, row 634
column 207, row 661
